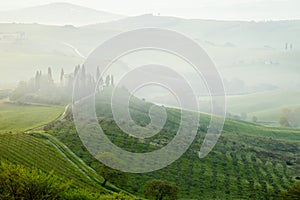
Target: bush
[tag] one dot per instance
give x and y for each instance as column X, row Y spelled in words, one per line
column 292, row 193
column 160, row 189
column 17, row 182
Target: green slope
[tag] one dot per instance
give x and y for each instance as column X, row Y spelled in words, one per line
column 248, row 162
column 267, row 106
column 34, row 150
column 16, row 117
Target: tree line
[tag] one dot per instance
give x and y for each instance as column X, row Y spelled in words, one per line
column 42, row 88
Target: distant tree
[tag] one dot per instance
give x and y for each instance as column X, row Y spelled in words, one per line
column 98, row 74
column 108, row 173
column 37, row 81
column 101, row 82
column 160, row 189
column 76, row 70
column 243, row 116
column 290, row 117
column 62, row 73
column 283, row 121
column 83, row 74
column 111, row 175
column 254, row 119
column 50, row 78
column 107, row 81
column 112, row 80
column 99, row 79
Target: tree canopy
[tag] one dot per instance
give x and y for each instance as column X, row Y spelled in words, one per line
column 160, row 189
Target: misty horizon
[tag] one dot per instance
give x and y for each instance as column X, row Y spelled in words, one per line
column 233, row 10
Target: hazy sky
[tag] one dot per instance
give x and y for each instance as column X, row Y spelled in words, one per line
column 213, row 9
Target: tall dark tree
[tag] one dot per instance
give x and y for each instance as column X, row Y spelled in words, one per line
column 107, row 81
column 62, row 74
column 50, row 78
column 111, row 175
column 37, row 81
column 76, row 70
column 160, row 189
column 97, row 74
column 83, row 74
column 112, row 80
column 108, row 173
column 83, row 77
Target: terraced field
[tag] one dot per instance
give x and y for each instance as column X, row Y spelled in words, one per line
column 37, row 151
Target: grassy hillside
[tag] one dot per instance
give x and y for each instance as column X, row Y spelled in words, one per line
column 239, row 33
column 65, row 14
column 248, row 162
column 252, row 52
column 16, row 117
column 267, row 106
column 26, row 48
column 32, row 150
column 44, row 152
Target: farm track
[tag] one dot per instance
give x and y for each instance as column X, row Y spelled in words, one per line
column 87, row 171
column 73, row 159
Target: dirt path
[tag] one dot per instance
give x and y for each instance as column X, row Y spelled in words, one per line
column 74, row 49
column 74, row 159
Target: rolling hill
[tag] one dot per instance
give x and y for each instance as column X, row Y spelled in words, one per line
column 248, row 162
column 18, row 117
column 65, row 14
column 272, row 34
column 253, row 52
column 35, row 149
column 267, row 106
column 250, row 56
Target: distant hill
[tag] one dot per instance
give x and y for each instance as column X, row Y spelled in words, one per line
column 273, row 34
column 262, row 56
column 58, row 14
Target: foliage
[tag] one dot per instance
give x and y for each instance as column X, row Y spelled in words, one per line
column 160, row 189
column 4, row 93
column 17, row 182
column 283, row 121
column 254, row 119
column 249, row 161
column 290, row 117
column 292, row 193
column 111, row 175
column 36, row 150
column 119, row 196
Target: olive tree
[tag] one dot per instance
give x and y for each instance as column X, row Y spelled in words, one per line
column 160, row 189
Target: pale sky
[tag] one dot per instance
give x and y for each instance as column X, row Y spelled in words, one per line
column 207, row 9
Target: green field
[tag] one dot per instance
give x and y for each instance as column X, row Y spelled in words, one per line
column 248, row 162
column 16, row 117
column 35, row 151
column 267, row 106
